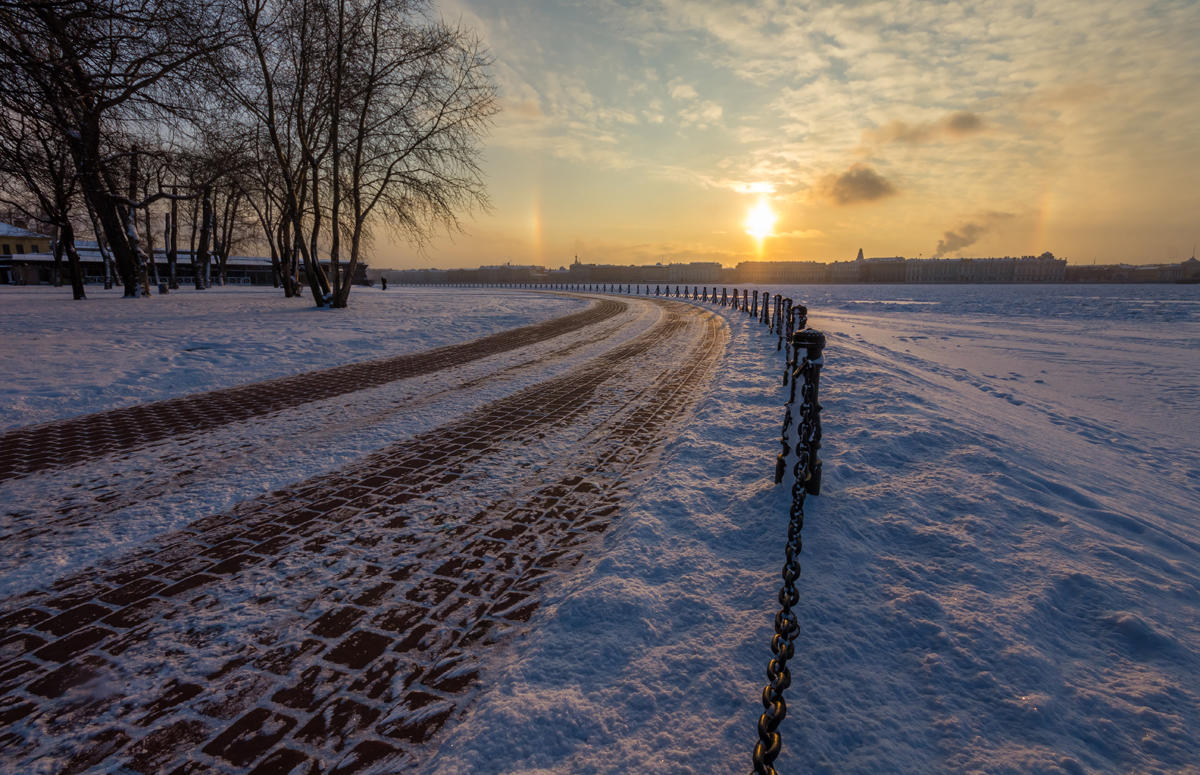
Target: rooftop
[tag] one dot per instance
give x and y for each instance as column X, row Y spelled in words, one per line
column 8, row 230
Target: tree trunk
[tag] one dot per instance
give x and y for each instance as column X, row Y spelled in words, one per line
column 58, row 254
column 309, row 273
column 171, row 235
column 66, row 238
column 274, row 264
column 230, row 220
column 150, row 250
column 335, row 237
column 343, row 296
column 129, row 218
column 201, row 256
column 97, row 188
column 285, row 259
column 102, row 247
column 197, row 278
column 108, row 223
column 312, row 264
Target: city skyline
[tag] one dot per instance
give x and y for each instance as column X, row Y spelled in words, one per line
column 702, row 131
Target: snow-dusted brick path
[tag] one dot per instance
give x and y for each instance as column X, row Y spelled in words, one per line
column 27, row 450
column 336, row 624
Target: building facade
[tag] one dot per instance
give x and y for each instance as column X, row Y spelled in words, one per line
column 1025, row 269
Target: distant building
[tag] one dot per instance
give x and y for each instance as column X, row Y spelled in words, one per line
column 1134, row 273
column 846, row 271
column 888, row 269
column 880, row 269
column 417, row 276
column 17, row 241
column 1026, row 269
column 694, row 272
column 1189, row 271
column 38, row 268
column 782, row 272
column 1040, row 269
column 15, row 244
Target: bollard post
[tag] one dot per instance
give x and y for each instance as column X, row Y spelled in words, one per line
column 813, row 344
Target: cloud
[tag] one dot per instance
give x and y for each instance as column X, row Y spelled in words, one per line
column 683, row 91
column 955, row 125
column 701, row 114
column 963, row 123
column 696, row 112
column 860, row 183
column 968, row 233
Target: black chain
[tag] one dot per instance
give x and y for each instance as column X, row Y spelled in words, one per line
column 805, row 481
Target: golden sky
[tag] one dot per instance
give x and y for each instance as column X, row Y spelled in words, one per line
column 635, row 132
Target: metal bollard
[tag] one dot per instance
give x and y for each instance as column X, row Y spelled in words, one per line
column 813, row 343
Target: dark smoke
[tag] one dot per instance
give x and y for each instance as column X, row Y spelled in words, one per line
column 954, row 241
column 860, row 183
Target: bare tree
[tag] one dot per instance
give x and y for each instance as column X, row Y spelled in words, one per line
column 37, row 178
column 270, row 86
column 415, row 99
column 91, row 69
column 345, row 115
column 368, row 110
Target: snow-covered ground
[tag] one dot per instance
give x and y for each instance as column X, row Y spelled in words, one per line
column 1002, row 573
column 106, row 352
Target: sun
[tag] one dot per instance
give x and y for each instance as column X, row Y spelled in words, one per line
column 760, row 221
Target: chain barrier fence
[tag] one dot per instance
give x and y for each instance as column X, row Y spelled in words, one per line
column 800, row 439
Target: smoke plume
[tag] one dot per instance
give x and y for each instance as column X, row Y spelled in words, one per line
column 968, row 233
column 860, row 183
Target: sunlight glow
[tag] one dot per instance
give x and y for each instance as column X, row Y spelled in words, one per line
column 760, row 221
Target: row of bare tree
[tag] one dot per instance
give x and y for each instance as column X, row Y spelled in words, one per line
column 301, row 125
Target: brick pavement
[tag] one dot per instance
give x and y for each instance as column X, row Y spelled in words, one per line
column 161, row 476
column 28, row 450
column 336, row 625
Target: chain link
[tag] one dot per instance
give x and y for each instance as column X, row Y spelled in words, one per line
column 805, row 481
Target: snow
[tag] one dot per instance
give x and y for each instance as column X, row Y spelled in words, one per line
column 155, row 489
column 108, row 351
column 1001, row 574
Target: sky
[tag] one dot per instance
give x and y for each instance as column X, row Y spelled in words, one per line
column 638, row 132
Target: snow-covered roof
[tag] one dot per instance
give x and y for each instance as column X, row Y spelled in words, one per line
column 8, row 230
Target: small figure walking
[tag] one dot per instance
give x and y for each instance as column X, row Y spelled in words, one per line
column 382, row 283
